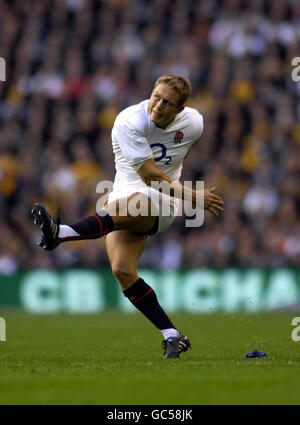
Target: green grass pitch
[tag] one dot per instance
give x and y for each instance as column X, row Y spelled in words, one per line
column 114, row 358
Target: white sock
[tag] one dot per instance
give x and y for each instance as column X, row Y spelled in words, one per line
column 168, row 333
column 66, row 232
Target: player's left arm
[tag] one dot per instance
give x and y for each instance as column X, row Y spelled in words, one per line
column 149, row 172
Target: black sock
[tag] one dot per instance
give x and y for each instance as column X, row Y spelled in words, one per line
column 142, row 296
column 92, row 227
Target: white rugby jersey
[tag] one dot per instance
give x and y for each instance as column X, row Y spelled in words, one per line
column 135, row 139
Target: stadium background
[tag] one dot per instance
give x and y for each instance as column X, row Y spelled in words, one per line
column 71, row 66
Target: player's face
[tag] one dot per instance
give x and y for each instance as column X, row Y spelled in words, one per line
column 163, row 105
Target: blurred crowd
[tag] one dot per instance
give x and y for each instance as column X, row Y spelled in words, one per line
column 72, row 65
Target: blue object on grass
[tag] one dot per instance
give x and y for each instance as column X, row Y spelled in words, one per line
column 255, row 354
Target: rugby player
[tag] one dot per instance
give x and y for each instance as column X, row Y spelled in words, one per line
column 150, row 141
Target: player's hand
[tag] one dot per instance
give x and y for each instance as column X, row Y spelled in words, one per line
column 212, row 202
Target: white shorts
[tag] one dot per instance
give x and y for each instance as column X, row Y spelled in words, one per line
column 166, row 206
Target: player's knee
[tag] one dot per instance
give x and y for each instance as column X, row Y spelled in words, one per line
column 123, row 274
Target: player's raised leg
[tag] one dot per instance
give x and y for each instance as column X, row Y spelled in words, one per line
column 124, row 249
column 115, row 215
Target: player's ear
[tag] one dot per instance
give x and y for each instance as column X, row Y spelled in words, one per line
column 180, row 109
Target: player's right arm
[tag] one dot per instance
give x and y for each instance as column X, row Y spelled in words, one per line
column 149, row 173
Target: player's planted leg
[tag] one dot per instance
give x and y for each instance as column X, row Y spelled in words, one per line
column 174, row 346
column 124, row 249
column 143, row 297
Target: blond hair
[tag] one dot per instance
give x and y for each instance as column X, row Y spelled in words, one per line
column 178, row 83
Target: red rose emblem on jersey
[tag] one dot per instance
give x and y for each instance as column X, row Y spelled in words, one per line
column 178, row 137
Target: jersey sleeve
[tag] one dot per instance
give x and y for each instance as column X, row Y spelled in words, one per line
column 134, row 146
